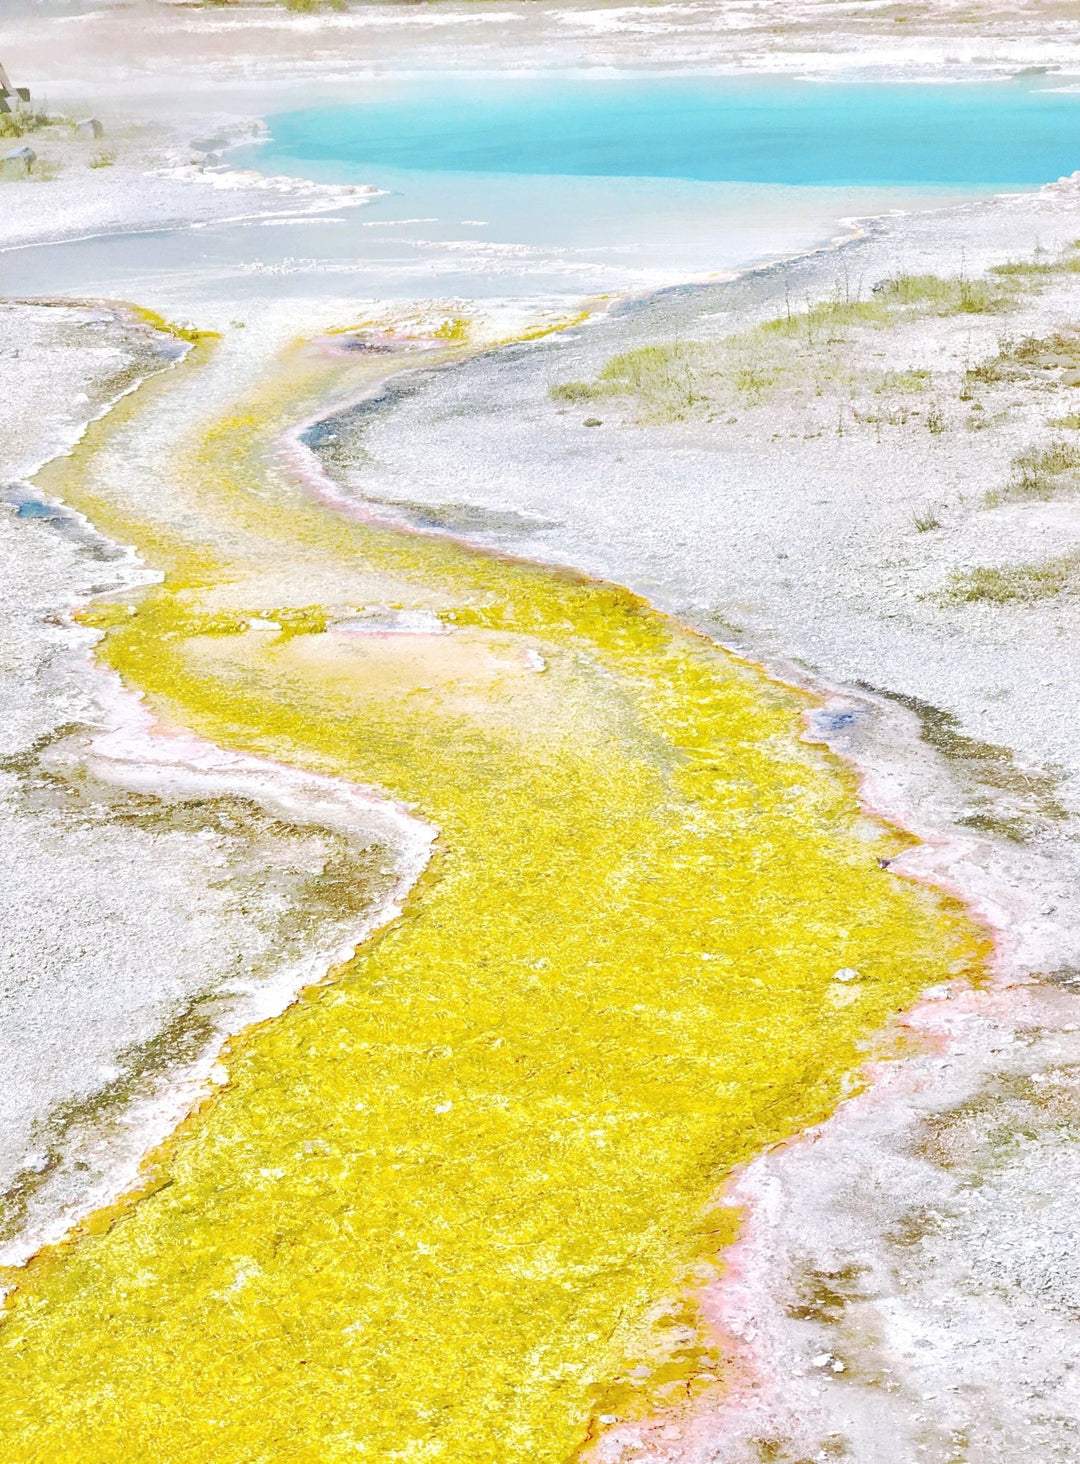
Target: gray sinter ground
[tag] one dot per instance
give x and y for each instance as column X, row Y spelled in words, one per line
column 921, row 1281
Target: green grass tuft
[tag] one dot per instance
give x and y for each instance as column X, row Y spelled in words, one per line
column 926, row 518
column 1039, row 473
column 18, row 124
column 575, row 391
column 952, row 295
column 1024, row 584
column 905, row 381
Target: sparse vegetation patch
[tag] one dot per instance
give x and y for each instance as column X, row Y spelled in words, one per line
column 1052, row 360
column 926, row 518
column 1039, row 473
column 1041, row 266
column 1025, row 583
column 574, row 391
column 801, row 351
column 904, row 381
column 949, row 295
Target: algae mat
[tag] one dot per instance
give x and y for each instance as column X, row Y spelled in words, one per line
column 430, row 1212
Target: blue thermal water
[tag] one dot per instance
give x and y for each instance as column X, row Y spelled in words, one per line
column 575, row 186
column 716, row 129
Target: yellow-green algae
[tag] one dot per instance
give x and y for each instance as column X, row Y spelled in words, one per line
column 429, row 1214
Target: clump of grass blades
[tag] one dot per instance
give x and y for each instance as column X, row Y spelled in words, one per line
column 754, row 381
column 643, row 368
column 926, row 518
column 983, row 373
column 1022, row 584
column 1041, row 265
column 1039, row 473
column 18, row 124
column 954, row 295
column 1023, row 269
column 575, row 391
column 666, row 379
column 906, row 381
column 839, row 312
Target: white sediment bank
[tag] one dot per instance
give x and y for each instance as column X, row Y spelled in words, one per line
column 121, row 45
column 152, row 882
column 152, row 195
column 98, row 1163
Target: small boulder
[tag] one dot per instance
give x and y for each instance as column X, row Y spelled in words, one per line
column 18, row 161
column 89, row 127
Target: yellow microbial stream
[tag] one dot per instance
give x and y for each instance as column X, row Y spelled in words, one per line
column 430, row 1213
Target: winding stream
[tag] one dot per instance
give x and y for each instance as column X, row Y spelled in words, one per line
column 447, row 1202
